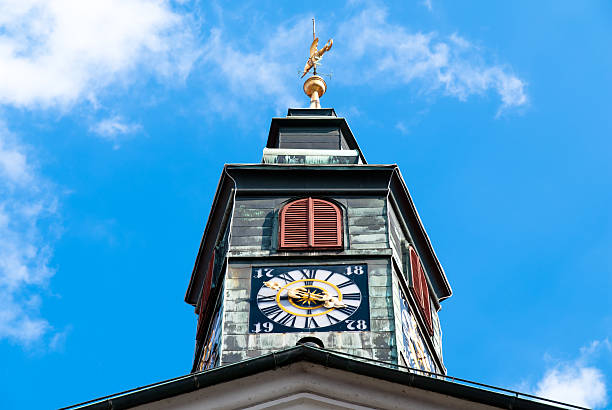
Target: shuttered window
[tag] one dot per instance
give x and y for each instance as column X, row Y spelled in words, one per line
column 310, row 223
column 205, row 295
column 420, row 288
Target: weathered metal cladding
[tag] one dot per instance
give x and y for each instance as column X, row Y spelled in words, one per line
column 238, row 344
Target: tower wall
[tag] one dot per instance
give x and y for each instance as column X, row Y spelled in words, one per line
column 238, row 344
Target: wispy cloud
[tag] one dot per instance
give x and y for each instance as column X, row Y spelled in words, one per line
column 389, row 54
column 58, row 341
column 427, row 3
column 265, row 74
column 27, row 202
column 114, row 129
column 401, row 127
column 577, row 382
column 14, row 169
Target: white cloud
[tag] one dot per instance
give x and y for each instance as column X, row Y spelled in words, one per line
column 57, row 52
column 53, row 55
column 582, row 386
column 427, row 3
column 26, row 204
column 388, row 54
column 114, row 128
column 577, row 382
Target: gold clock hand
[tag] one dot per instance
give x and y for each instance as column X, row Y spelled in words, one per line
column 273, row 285
column 333, row 302
column 302, row 292
column 320, row 298
column 297, row 293
column 329, row 301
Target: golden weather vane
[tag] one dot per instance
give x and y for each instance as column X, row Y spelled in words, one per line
column 316, row 55
column 315, row 86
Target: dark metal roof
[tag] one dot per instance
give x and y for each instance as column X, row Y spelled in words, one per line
column 454, row 387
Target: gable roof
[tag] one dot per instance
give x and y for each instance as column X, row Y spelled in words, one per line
column 449, row 386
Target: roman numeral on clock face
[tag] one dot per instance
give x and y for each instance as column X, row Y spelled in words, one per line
column 345, row 284
column 329, row 276
column 311, row 323
column 270, row 298
column 347, row 310
column 351, row 296
column 287, row 319
column 332, row 319
column 287, row 277
column 272, row 311
column 308, row 273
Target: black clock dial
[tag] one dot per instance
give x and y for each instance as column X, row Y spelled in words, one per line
column 309, row 298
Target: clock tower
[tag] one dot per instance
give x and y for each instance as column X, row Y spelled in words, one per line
column 314, row 245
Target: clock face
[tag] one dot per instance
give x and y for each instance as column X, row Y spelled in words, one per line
column 309, row 299
column 416, row 353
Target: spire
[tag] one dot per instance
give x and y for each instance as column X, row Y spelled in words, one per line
column 315, row 86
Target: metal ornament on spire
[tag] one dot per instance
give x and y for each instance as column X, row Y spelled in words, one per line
column 315, row 86
column 316, row 55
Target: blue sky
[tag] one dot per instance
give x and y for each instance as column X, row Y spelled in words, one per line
column 116, row 118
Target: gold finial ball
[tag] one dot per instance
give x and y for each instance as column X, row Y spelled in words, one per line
column 315, row 83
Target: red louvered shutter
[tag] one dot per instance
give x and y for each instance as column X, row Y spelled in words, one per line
column 294, row 226
column 200, row 320
column 326, row 222
column 415, row 264
column 421, row 290
column 425, row 307
column 310, row 223
column 205, row 295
